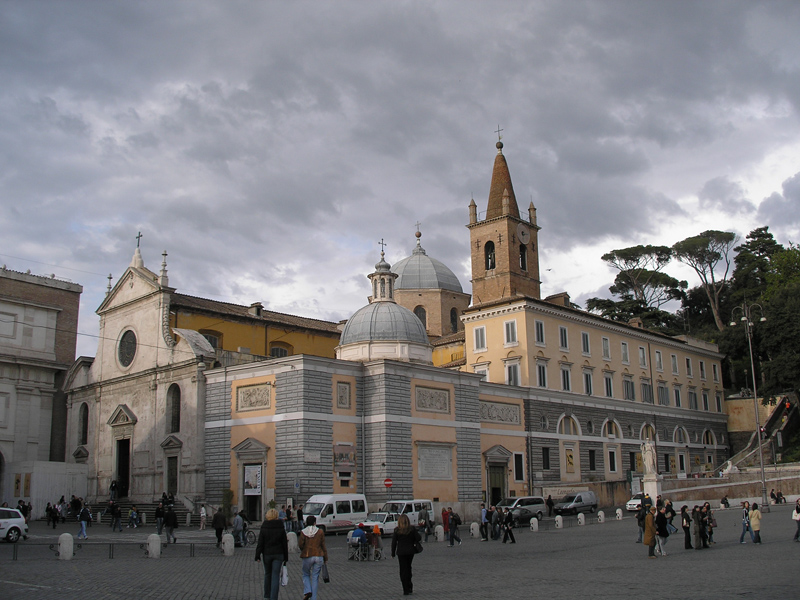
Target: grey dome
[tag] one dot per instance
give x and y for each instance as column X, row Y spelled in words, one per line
column 383, row 321
column 420, row 271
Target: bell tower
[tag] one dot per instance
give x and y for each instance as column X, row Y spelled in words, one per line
column 504, row 247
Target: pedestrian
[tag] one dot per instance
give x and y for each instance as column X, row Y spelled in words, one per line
column 746, row 523
column 423, row 522
column 795, row 516
column 686, row 525
column 314, row 555
column 299, row 517
column 160, row 519
column 483, row 528
column 289, row 513
column 669, row 512
column 508, row 526
column 755, row 523
column 84, row 517
column 282, row 517
column 662, row 533
column 116, row 517
column 446, row 524
column 171, row 522
column 203, row 515
column 238, row 529
column 640, row 516
column 218, row 523
column 496, row 521
column 649, row 535
column 697, row 527
column 273, row 548
column 550, row 504
column 711, row 522
column 112, row 491
column 404, row 545
column 454, row 522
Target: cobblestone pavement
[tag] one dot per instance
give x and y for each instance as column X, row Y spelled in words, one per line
column 597, row 561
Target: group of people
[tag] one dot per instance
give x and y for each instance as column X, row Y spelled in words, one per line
column 655, row 525
column 777, row 498
column 292, row 518
column 496, row 519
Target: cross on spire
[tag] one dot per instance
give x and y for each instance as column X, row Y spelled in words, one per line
column 417, row 224
column 499, row 137
column 382, row 244
column 138, row 238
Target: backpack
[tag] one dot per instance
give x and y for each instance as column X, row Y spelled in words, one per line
column 456, row 519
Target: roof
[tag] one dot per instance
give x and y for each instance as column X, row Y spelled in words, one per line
column 420, row 271
column 451, row 338
column 383, row 321
column 501, row 181
column 193, row 303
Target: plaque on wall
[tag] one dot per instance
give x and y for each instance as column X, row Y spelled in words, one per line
column 343, row 394
column 252, row 480
column 499, row 412
column 344, row 457
column 432, row 400
column 435, row 462
column 311, row 456
column 253, row 397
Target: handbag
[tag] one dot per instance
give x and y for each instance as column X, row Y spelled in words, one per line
column 325, row 577
column 284, row 576
column 417, row 547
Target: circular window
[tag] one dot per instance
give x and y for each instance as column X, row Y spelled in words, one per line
column 127, row 348
column 590, row 426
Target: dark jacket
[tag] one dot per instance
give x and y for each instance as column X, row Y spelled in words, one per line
column 272, row 540
column 661, row 525
column 171, row 519
column 218, row 522
column 403, row 543
column 159, row 512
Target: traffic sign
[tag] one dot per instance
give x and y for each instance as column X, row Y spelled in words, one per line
column 387, row 482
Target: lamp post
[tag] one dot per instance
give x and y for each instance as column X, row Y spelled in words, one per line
column 746, row 318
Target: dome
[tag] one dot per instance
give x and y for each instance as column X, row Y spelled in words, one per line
column 420, row 271
column 383, row 321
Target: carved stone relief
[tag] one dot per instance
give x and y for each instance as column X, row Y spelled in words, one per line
column 254, row 397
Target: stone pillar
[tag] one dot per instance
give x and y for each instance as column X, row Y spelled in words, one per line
column 188, row 520
column 474, row 530
column 439, row 533
column 601, row 517
column 154, row 545
column 581, row 519
column 227, row 544
column 65, row 546
column 292, row 541
column 559, row 522
column 534, row 524
column 619, row 514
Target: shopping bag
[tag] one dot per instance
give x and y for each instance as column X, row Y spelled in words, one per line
column 325, row 577
column 284, row 576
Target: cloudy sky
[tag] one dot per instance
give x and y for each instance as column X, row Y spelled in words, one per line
column 269, row 146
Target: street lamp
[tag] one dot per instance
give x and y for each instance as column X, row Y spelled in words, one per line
column 747, row 319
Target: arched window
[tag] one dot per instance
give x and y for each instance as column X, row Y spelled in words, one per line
column 83, row 424
column 568, row 426
column 421, row 315
column 708, row 438
column 280, row 349
column 488, row 250
column 523, row 257
column 679, row 437
column 173, row 412
column 649, row 433
column 610, row 429
column 453, row 320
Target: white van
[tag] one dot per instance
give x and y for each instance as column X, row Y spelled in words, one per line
column 577, row 502
column 410, row 508
column 337, row 512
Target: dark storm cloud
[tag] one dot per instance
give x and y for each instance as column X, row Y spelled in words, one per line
column 721, row 192
column 782, row 210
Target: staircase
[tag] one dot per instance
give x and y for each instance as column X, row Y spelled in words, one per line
column 149, row 510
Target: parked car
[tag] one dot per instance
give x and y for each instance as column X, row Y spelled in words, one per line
column 525, row 508
column 410, row 508
column 575, row 503
column 12, row 525
column 635, row 503
column 337, row 512
column 386, row 522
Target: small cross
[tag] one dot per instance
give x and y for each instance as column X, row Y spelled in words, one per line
column 382, row 244
column 138, row 238
column 499, row 137
column 417, row 224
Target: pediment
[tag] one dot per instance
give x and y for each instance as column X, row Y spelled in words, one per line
column 135, row 283
column 122, row 415
column 251, row 448
column 171, row 442
column 81, row 454
column 498, row 454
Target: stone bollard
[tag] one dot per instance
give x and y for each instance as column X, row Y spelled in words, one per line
column 559, row 522
column 601, row 516
column 581, row 519
column 143, row 517
column 227, row 544
column 439, row 533
column 188, row 520
column 65, row 546
column 619, row 514
column 474, row 530
column 154, row 545
column 291, row 538
column 534, row 524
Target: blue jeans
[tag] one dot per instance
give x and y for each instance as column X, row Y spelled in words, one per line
column 746, row 527
column 311, row 568
column 82, row 532
column 272, row 575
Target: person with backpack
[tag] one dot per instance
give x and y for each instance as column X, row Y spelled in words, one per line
column 84, row 517
column 508, row 526
column 454, row 521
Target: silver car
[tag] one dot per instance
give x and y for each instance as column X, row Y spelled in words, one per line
column 525, row 508
column 12, row 525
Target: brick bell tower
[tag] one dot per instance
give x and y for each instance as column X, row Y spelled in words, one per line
column 504, row 247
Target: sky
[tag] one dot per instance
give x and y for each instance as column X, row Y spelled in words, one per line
column 269, row 147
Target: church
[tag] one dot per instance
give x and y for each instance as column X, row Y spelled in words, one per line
column 458, row 401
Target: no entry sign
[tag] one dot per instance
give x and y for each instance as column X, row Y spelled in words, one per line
column 387, row 482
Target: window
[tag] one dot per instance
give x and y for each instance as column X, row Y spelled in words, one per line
column 647, row 391
column 642, row 357
column 663, row 394
column 483, row 372
column 608, row 379
column 708, row 439
column 693, row 399
column 511, row 333
column 83, row 425
column 587, row 382
column 523, row 257
column 480, row 338
column 610, row 430
column 674, row 358
column 682, row 462
column 343, row 507
column 612, row 461
column 541, row 374
column 592, row 461
column 659, row 361
column 628, row 391
column 512, row 373
column 422, row 315
column 715, row 371
column 544, row 423
column 585, row 347
column 359, row 506
column 590, row 426
column 702, row 369
column 539, row 327
column 705, row 400
column 718, row 398
column 679, row 437
column 688, row 367
column 563, row 340
column 278, row 352
column 606, row 348
column 488, row 252
column 676, row 393
column 173, row 412
column 666, row 463
column 519, row 466
column 545, row 458
column 212, row 338
column 624, row 350
column 568, row 426
column 453, row 320
column 632, row 459
column 649, row 433
column 565, row 379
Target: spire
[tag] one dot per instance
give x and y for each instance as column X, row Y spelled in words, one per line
column 382, row 280
column 162, row 277
column 501, row 183
column 419, row 249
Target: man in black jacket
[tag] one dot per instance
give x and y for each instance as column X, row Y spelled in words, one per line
column 218, row 523
column 171, row 522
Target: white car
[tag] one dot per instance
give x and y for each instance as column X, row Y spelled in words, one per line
column 635, row 503
column 386, row 522
column 12, row 525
